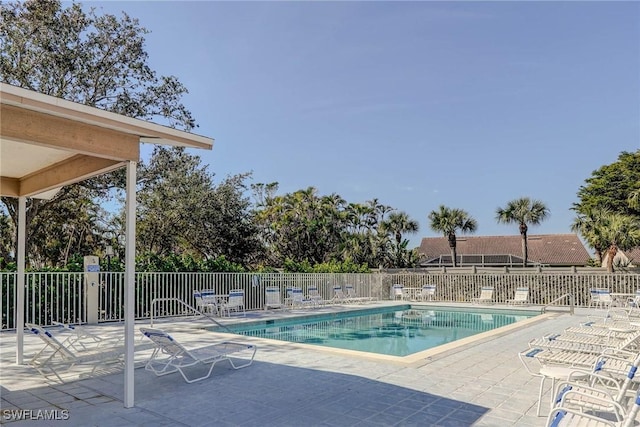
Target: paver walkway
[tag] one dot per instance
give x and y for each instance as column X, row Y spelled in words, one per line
column 483, row 384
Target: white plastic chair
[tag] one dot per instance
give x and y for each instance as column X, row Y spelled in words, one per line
column 486, row 295
column 397, row 290
column 428, row 292
column 600, row 298
column 314, row 294
column 207, row 301
column 298, row 299
column 339, row 297
column 236, row 302
column 272, row 297
column 521, row 297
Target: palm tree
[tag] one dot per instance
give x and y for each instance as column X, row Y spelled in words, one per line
column 523, row 211
column 589, row 224
column 622, row 232
column 449, row 221
column 399, row 223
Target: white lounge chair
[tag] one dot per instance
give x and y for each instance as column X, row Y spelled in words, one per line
column 236, row 302
column 272, row 297
column 170, row 356
column 353, row 296
column 586, row 343
column 568, row 417
column 80, row 338
column 558, row 364
column 521, row 297
column 57, row 356
column 427, row 293
column 600, row 392
column 486, row 296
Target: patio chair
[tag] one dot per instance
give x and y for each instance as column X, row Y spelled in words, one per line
column 57, row 356
column 486, row 296
column 397, row 290
column 339, row 297
column 272, row 297
column 600, row 298
column 353, row 296
column 521, row 297
column 208, row 301
column 236, row 302
column 170, row 356
column 633, row 303
column 427, row 293
column 298, row 299
column 314, row 294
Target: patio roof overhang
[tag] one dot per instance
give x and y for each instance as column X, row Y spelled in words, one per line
column 47, row 143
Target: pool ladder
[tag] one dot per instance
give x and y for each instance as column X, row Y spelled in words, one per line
column 572, row 303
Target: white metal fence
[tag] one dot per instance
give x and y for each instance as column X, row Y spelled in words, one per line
column 61, row 296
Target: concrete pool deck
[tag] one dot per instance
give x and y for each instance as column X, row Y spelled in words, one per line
column 481, row 383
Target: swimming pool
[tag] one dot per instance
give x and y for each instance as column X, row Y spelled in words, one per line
column 394, row 331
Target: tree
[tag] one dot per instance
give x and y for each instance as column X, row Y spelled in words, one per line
column 90, row 59
column 397, row 224
column 590, row 225
column 612, row 187
column 181, row 210
column 621, row 232
column 449, row 221
column 524, row 212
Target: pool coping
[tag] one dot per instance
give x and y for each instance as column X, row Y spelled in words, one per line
column 416, row 359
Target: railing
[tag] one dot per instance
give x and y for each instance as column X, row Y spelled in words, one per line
column 572, row 303
column 60, row 297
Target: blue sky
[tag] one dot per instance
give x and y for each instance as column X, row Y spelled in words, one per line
column 417, row 104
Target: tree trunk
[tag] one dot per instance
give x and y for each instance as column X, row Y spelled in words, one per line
column 611, row 253
column 452, row 245
column 525, row 250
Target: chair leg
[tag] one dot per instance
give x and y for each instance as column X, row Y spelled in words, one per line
column 540, row 395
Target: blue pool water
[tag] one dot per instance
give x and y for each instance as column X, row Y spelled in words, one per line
column 395, row 331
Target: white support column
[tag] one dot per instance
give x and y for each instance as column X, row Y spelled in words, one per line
column 19, row 313
column 130, row 277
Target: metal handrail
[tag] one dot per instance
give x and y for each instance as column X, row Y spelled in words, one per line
column 572, row 303
column 189, row 306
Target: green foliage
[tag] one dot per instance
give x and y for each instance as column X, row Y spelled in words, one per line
column 151, row 262
column 333, row 266
column 97, row 60
column 611, row 186
column 306, row 228
column 221, row 264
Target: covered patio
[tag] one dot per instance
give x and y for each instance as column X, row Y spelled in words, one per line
column 47, row 143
